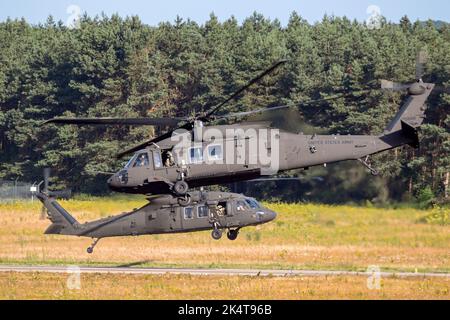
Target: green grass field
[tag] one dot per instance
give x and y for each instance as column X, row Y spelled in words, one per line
column 304, row 236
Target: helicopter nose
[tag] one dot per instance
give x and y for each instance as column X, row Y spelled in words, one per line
column 113, row 181
column 266, row 215
column 118, row 180
column 270, row 215
column 110, row 181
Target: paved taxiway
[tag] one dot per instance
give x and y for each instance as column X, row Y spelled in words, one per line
column 212, row 272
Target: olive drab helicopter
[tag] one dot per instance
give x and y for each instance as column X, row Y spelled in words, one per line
column 214, row 211
column 225, row 153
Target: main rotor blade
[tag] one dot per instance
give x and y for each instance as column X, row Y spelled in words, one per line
column 249, row 84
column 99, row 172
column 116, row 121
column 187, row 126
column 441, row 89
column 135, row 148
column 393, row 86
column 247, row 113
column 295, row 105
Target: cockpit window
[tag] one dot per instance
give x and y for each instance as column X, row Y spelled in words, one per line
column 253, row 203
column 157, row 159
column 141, row 160
column 241, row 205
column 130, row 161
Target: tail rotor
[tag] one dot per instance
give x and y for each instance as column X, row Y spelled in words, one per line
column 421, row 60
column 46, row 174
column 416, row 88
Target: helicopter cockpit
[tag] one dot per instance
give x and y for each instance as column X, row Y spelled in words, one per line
column 160, row 159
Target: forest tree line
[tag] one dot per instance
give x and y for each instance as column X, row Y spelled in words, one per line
column 120, row 67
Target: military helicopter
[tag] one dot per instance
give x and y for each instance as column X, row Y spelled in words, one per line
column 219, row 154
column 163, row 214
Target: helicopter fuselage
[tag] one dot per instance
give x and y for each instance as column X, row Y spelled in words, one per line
column 238, row 155
column 216, row 211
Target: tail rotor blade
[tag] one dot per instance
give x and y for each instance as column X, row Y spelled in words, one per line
column 393, row 86
column 46, row 178
column 421, row 60
column 46, row 174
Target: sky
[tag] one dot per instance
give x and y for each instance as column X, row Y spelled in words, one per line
column 152, row 12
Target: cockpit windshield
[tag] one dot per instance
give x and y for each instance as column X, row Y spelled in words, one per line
column 253, row 203
column 130, row 161
column 141, row 160
column 138, row 160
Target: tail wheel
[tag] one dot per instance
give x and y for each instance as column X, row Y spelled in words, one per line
column 180, row 188
column 91, row 248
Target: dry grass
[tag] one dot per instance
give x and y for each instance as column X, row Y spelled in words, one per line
column 113, row 286
column 303, row 236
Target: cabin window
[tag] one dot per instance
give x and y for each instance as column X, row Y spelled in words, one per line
column 141, row 160
column 202, row 211
column 215, row 152
column 196, row 155
column 188, row 213
column 168, row 159
column 222, row 208
column 157, row 159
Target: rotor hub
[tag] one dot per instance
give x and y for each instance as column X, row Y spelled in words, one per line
column 417, row 88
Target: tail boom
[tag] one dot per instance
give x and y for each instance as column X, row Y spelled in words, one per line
column 62, row 221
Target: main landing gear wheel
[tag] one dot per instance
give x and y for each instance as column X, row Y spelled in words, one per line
column 216, row 234
column 185, row 200
column 232, row 234
column 180, row 188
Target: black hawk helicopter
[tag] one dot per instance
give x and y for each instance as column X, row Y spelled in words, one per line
column 163, row 214
column 219, row 154
column 166, row 170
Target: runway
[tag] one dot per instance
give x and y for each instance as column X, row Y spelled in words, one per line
column 215, row 272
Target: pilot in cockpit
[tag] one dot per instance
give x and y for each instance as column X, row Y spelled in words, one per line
column 142, row 160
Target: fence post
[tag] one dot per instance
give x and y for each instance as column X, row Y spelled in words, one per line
column 15, row 189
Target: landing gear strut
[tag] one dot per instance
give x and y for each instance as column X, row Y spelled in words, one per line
column 232, row 234
column 91, row 248
column 216, row 234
